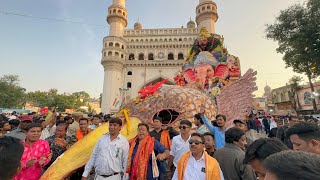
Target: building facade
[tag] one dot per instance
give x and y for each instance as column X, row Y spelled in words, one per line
column 134, row 58
column 305, row 97
column 282, row 100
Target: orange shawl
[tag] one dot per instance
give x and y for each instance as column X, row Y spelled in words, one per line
column 138, row 170
column 211, row 166
column 79, row 134
column 165, row 139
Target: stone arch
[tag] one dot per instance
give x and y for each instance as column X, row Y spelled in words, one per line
column 180, row 56
column 122, row 47
column 129, row 73
column 110, row 44
column 104, row 54
column 157, row 79
column 116, row 54
column 129, row 84
column 110, row 53
column 114, row 11
column 141, row 56
column 119, row 11
column 208, row 7
column 117, row 45
column 170, row 56
column 150, row 56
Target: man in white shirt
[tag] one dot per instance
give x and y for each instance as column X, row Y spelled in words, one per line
column 110, row 155
column 197, row 164
column 13, row 115
column 180, row 144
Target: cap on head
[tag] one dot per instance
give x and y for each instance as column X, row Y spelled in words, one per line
column 239, row 121
column 26, row 118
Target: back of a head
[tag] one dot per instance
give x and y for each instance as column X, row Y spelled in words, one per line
column 233, row 134
column 263, row 148
column 11, row 151
column 3, row 118
column 293, row 165
column 305, row 131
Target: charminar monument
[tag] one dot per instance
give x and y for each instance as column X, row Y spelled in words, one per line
column 133, row 58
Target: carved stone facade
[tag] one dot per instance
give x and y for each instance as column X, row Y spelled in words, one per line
column 133, row 58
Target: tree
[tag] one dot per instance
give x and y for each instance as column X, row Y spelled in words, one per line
column 82, row 98
column 294, row 83
column 297, row 32
column 38, row 98
column 12, row 95
column 51, row 99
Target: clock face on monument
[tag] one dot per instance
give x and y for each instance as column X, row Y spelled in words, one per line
column 161, row 55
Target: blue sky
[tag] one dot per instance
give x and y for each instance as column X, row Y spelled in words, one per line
column 66, row 56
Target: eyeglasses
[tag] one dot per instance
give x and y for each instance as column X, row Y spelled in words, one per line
column 183, row 127
column 195, row 142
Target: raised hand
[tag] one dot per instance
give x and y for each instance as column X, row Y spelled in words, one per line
column 60, row 142
column 31, row 162
column 42, row 160
column 161, row 157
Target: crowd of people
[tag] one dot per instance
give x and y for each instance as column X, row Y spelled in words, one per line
column 202, row 149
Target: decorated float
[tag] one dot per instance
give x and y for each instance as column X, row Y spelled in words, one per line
column 210, row 78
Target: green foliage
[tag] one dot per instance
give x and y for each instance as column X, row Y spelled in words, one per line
column 12, row 95
column 53, row 99
column 297, row 32
column 295, row 81
column 81, row 98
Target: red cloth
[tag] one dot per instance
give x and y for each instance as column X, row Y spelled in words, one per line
column 139, row 168
column 258, row 123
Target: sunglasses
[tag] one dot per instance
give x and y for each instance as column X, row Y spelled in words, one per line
column 195, row 142
column 183, row 127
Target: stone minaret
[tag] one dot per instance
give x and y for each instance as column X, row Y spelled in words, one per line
column 207, row 15
column 113, row 55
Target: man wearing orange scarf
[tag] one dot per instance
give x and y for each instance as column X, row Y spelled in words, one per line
column 164, row 135
column 144, row 155
column 196, row 164
column 84, row 130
